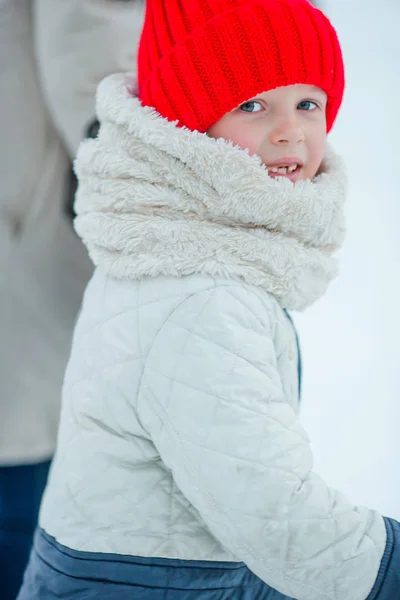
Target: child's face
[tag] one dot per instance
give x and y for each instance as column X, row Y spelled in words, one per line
column 285, row 127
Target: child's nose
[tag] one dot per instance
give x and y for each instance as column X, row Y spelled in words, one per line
column 286, row 131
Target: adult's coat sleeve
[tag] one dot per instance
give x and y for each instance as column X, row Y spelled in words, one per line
column 79, row 42
column 212, row 400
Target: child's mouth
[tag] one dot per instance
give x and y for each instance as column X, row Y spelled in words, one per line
column 291, row 171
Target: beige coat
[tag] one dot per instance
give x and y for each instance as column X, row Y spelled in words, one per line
column 52, row 55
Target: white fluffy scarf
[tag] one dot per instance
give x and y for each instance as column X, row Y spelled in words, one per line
column 155, row 199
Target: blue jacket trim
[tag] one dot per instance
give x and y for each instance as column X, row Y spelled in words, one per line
column 55, row 571
column 299, row 360
column 387, row 585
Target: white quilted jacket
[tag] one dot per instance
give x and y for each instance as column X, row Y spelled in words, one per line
column 179, row 433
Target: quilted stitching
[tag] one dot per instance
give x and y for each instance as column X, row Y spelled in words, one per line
column 180, row 439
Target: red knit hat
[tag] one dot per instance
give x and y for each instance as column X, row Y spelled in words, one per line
column 199, row 59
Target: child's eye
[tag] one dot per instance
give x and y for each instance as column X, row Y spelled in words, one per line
column 307, row 105
column 251, row 107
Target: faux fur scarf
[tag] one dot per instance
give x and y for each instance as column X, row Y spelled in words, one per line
column 155, row 199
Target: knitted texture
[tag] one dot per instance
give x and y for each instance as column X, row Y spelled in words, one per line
column 199, row 59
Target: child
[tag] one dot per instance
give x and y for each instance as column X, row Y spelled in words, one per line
column 210, row 205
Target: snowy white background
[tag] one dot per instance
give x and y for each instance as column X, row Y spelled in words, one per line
column 350, row 338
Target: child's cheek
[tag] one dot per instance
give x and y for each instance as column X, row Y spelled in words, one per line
column 245, row 139
column 238, row 133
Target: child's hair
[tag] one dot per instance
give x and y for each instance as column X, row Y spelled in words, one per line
column 199, row 59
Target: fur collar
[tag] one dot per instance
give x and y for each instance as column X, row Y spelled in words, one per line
column 155, row 199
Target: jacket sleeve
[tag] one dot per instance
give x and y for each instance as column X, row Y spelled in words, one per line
column 33, row 163
column 212, row 400
column 78, row 43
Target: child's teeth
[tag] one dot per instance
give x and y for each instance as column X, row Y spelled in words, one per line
column 283, row 170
